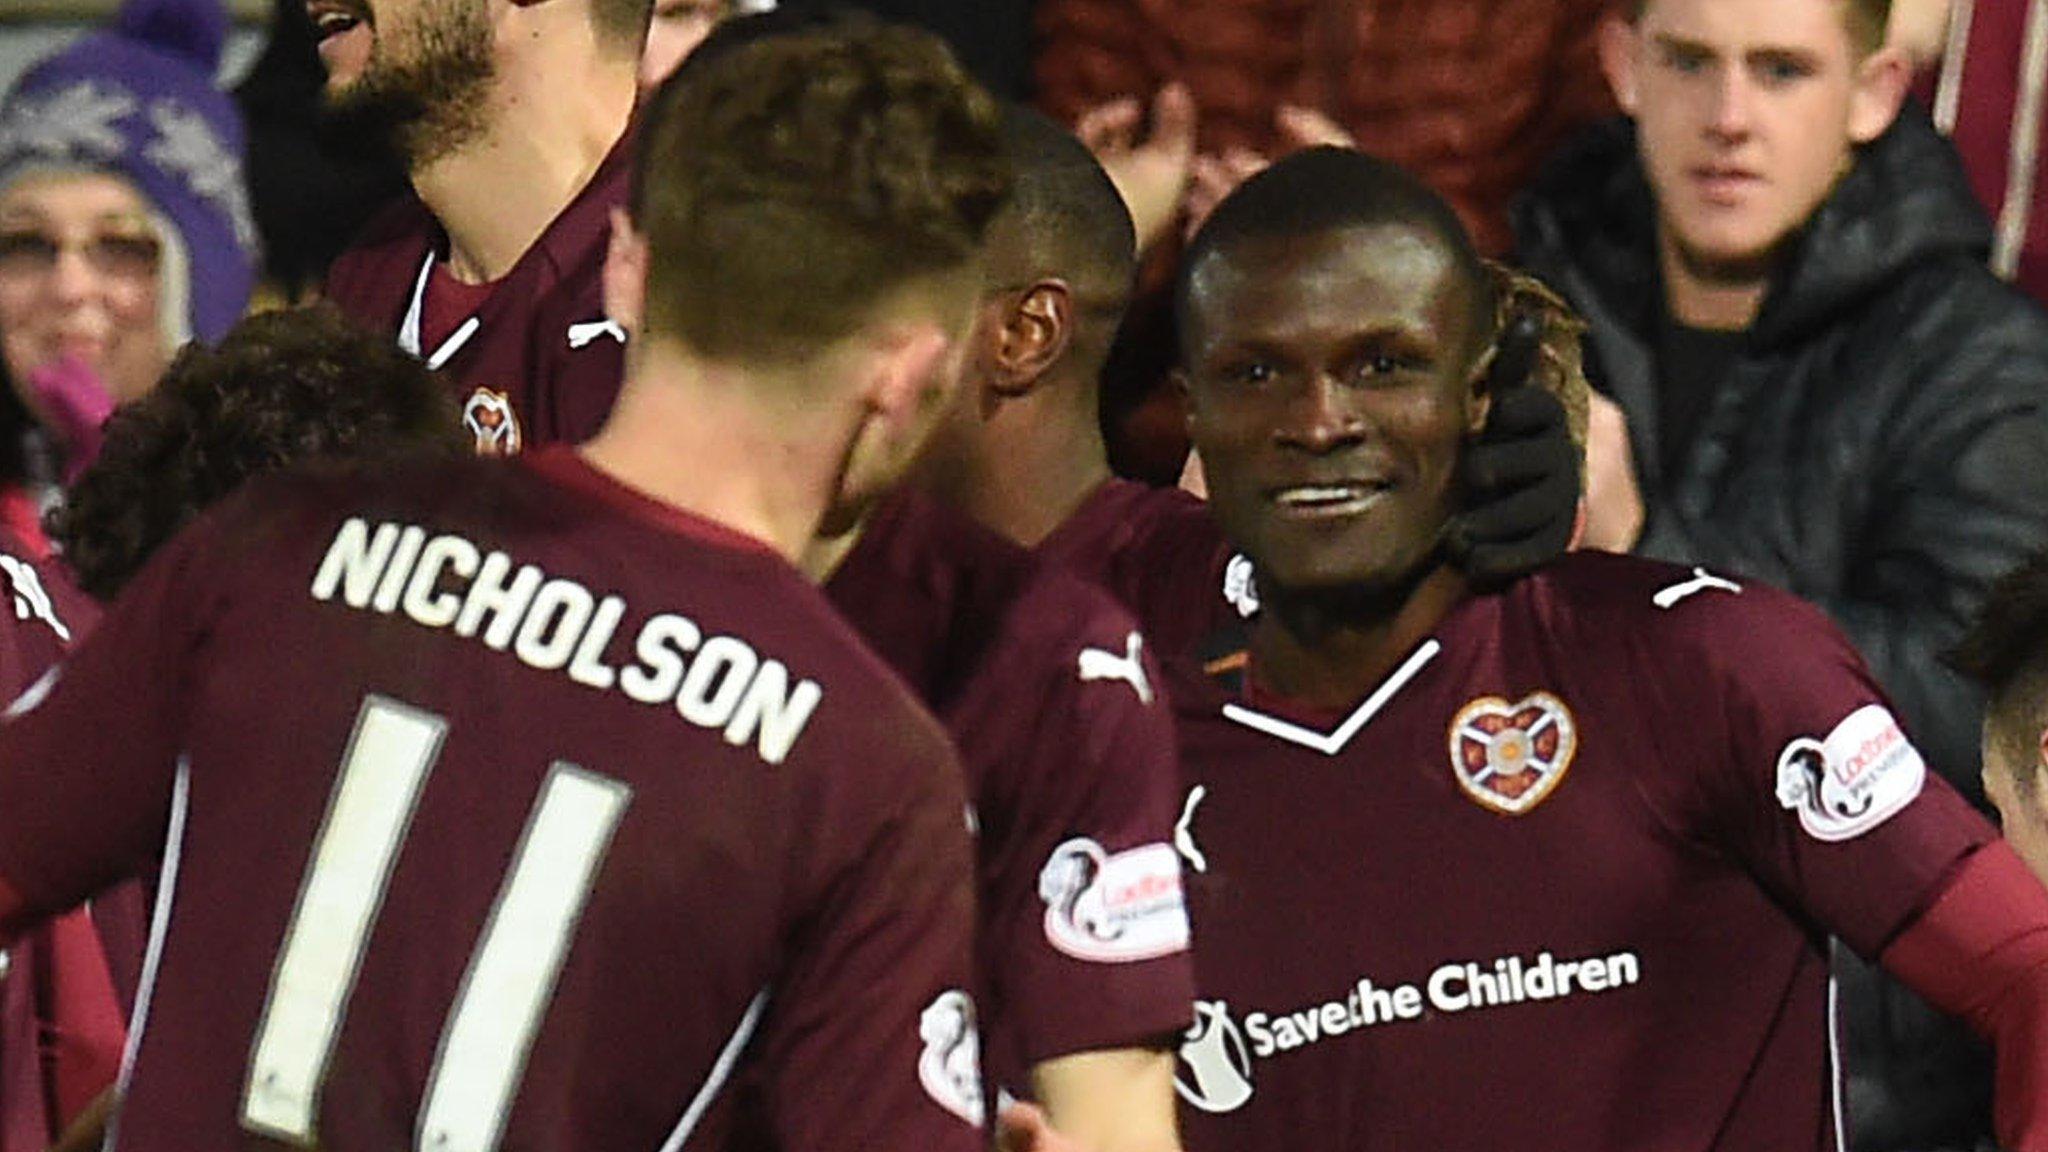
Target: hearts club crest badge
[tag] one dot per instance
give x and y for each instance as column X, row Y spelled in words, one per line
column 489, row 417
column 1509, row 757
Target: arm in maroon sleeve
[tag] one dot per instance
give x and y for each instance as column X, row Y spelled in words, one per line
column 1980, row 952
column 869, row 1038
column 88, row 755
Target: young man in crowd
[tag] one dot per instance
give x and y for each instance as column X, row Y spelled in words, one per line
column 513, row 121
column 519, row 878
column 1391, row 804
column 1815, row 382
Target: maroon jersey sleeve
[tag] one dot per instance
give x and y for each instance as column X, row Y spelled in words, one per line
column 1086, row 919
column 68, row 834
column 870, row 1039
column 41, row 614
column 579, row 358
column 1813, row 783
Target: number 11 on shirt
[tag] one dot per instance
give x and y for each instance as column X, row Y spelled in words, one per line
column 511, row 974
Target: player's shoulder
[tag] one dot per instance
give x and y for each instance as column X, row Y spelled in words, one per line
column 1029, row 604
column 49, row 612
column 387, row 486
column 374, row 274
column 1133, row 516
column 1601, row 597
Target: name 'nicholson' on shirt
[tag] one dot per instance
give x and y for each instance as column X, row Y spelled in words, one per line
column 445, row 582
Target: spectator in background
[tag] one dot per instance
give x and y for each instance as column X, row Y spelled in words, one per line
column 1815, row 381
column 1467, row 95
column 1984, row 72
column 1183, row 99
column 312, row 184
column 124, row 231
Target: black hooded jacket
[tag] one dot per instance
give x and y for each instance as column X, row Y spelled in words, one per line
column 1880, row 446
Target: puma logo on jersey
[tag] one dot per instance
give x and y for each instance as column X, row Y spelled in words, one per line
column 489, row 417
column 1702, row 581
column 1184, row 830
column 31, row 601
column 586, row 333
column 1097, row 664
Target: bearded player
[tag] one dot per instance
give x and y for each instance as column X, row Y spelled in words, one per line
column 1549, row 866
column 513, row 121
column 545, row 803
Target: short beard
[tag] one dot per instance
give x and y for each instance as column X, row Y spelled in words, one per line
column 431, row 105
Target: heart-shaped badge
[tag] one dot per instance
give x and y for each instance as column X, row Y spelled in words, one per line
column 1508, row 757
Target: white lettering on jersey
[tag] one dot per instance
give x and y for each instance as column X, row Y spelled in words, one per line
column 1853, row 781
column 1241, row 586
column 31, row 600
column 1184, row 830
column 1702, row 580
column 445, row 582
column 1113, row 909
column 587, row 332
column 1097, row 664
column 950, row 1065
column 1215, row 1069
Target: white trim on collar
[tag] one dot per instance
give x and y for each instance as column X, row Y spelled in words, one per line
column 1331, row 743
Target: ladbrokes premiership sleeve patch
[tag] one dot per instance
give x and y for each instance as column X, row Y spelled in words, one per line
column 950, row 1065
column 1119, row 908
column 1863, row 773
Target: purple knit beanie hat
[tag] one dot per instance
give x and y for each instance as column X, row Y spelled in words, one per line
column 139, row 101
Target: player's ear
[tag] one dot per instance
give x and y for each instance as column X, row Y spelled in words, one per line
column 625, row 274
column 2041, row 751
column 1033, row 333
column 1881, row 83
column 1618, row 43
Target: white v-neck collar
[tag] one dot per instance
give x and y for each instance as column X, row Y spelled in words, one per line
column 1332, row 742
column 409, row 328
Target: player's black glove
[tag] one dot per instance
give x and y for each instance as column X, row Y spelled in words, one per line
column 1520, row 475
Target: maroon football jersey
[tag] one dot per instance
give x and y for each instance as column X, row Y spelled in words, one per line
column 1160, row 553
column 538, row 362
column 1045, row 685
column 1563, row 881
column 520, row 811
column 42, row 614
column 41, row 1041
